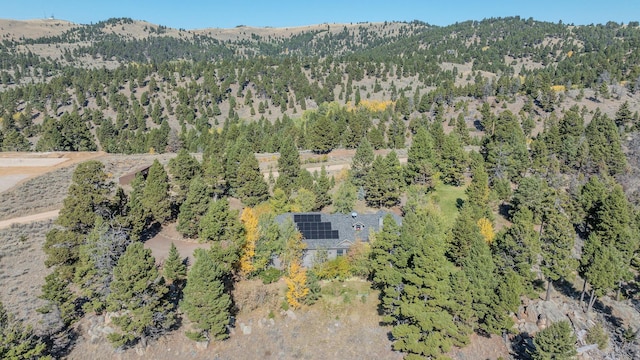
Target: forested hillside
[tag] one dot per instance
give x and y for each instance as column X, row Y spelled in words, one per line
column 521, row 175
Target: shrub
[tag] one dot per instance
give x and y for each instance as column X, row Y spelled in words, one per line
column 270, row 275
column 597, row 335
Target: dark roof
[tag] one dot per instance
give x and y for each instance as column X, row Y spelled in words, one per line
column 335, row 231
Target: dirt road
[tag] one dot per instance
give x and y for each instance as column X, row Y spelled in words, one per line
column 29, row 218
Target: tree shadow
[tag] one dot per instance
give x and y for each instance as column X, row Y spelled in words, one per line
column 522, row 346
column 567, row 289
column 478, row 125
column 505, row 210
column 61, row 343
column 150, row 232
column 459, row 203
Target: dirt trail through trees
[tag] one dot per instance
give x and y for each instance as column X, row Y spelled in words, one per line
column 29, row 218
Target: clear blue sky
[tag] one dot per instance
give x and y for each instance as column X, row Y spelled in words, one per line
column 196, row 14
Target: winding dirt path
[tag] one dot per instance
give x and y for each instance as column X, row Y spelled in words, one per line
column 29, row 218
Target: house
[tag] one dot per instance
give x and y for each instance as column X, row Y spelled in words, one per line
column 128, row 178
column 333, row 233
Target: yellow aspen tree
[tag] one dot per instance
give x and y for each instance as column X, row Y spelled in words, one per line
column 296, row 281
column 250, row 221
column 486, row 229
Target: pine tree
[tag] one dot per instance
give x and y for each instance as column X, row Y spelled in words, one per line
column 361, row 162
column 98, row 257
column 384, row 182
column 279, row 202
column 138, row 299
column 86, row 197
column 386, row 266
column 214, row 174
column 288, row 166
column 183, row 169
column 205, row 301
column 605, row 151
column 321, row 190
column 17, row 341
column 250, row 222
column 344, row 199
column 453, row 161
column 516, row 250
column 461, row 130
column 253, row 189
column 222, row 227
column 155, row 196
column 421, row 158
column 465, row 231
column 557, row 242
column 321, row 134
column 478, row 192
column 556, row 342
column 424, row 325
column 174, row 268
column 194, row 207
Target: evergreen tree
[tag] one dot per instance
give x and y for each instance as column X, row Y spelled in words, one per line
column 384, row 182
column 138, row 298
column 557, row 342
column 623, row 115
column 288, row 166
column 98, row 257
column 253, row 189
column 420, row 159
column 516, row 250
column 279, row 202
column 321, row 189
column 214, row 174
column 183, row 169
column 557, row 242
column 194, row 207
column 461, row 130
column 321, row 134
column 478, row 192
column 506, row 149
column 222, row 227
column 86, row 197
column 206, row 301
column 174, row 268
column 361, row 162
column 452, row 163
column 344, row 199
column 464, row 233
column 387, row 266
column 605, row 151
column 17, row 341
column 155, row 196
column 424, row 325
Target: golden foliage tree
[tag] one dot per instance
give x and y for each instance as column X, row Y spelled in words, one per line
column 296, row 281
column 250, row 221
column 486, row 229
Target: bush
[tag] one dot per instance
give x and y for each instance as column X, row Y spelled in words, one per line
column 270, row 275
column 597, row 335
column 337, row 268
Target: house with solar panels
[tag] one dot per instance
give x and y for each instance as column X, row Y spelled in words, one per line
column 333, row 233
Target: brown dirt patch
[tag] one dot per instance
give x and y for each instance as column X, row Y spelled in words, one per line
column 161, row 243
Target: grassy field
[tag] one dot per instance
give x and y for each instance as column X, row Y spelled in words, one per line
column 449, row 198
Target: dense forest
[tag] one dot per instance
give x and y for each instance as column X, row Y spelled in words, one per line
column 535, row 123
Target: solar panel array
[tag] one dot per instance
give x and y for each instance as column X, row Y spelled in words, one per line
column 312, row 227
